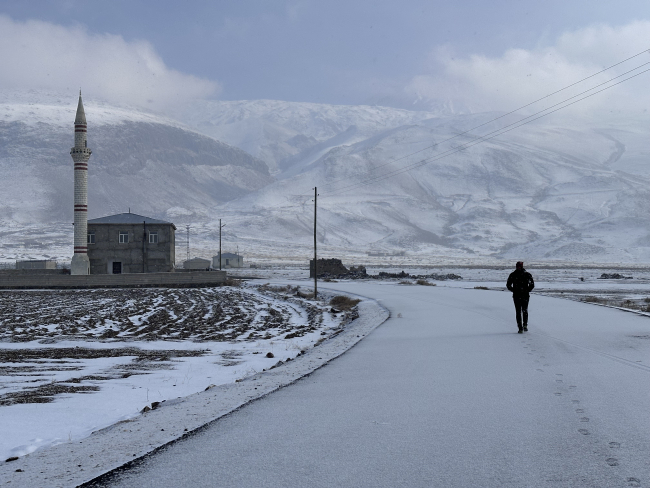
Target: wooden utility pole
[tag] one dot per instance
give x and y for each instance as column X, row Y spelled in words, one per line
column 315, row 254
column 188, row 241
column 220, row 227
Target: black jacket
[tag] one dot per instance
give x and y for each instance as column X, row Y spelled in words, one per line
column 520, row 283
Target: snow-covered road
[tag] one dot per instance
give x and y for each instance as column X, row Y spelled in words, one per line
column 445, row 393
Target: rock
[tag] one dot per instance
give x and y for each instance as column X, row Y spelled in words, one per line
column 155, row 405
column 12, row 458
column 614, row 276
column 269, row 355
column 145, row 410
column 209, row 386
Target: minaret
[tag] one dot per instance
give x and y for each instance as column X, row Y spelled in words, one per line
column 80, row 154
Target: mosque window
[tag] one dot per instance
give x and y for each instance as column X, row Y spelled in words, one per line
column 153, row 237
column 124, row 237
column 91, row 238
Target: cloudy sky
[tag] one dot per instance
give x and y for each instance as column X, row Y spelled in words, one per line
column 487, row 55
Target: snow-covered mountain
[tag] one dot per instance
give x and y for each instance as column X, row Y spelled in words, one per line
column 546, row 191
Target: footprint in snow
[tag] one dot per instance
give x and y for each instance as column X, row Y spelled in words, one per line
column 633, row 482
column 612, row 461
column 614, row 445
column 584, row 419
column 583, row 431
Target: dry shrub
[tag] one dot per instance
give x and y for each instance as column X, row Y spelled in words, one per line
column 480, row 287
column 343, row 303
column 424, row 283
column 592, row 299
column 278, row 289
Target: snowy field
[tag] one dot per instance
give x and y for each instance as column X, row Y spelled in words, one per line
column 76, row 362
column 73, row 362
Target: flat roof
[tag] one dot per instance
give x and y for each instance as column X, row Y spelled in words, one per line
column 128, row 218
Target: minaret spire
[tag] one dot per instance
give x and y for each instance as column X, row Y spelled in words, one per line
column 80, row 154
column 81, row 115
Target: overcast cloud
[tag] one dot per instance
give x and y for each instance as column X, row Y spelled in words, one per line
column 520, row 76
column 482, row 56
column 41, row 55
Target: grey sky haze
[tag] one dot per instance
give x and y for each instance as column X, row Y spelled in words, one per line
column 335, row 51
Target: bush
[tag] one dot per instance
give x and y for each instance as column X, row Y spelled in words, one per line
column 592, row 299
column 343, row 303
column 424, row 283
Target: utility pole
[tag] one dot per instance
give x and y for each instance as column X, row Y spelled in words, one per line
column 315, row 254
column 188, row 241
column 220, row 227
column 144, row 239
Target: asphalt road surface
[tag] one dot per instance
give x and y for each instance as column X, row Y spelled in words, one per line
column 445, row 393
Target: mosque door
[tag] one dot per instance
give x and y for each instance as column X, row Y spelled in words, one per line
column 117, row 267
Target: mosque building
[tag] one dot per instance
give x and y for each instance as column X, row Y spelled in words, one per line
column 115, row 244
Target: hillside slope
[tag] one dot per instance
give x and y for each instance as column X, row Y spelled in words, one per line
column 545, row 191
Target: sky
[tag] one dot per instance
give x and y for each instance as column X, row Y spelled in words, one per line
column 484, row 55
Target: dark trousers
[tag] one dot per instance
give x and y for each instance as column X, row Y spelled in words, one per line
column 521, row 306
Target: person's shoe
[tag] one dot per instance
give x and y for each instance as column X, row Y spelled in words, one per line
column 520, row 331
column 525, row 328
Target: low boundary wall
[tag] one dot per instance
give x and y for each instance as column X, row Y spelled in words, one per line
column 132, row 280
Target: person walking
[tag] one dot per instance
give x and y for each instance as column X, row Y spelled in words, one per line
column 521, row 283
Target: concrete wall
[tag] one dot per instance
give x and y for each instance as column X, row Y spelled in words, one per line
column 32, row 272
column 33, row 281
column 107, row 249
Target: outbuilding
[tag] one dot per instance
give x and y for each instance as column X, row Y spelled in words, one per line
column 36, row 264
column 228, row 260
column 197, row 263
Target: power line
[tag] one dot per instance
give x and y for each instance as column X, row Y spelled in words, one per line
column 478, row 139
column 488, row 136
column 511, row 112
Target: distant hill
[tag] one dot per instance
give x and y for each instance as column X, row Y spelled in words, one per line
column 548, row 191
column 545, row 191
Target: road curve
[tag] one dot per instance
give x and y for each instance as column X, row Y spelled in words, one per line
column 445, row 393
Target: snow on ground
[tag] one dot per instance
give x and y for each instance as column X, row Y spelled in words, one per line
column 444, row 393
column 74, row 362
column 155, row 374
